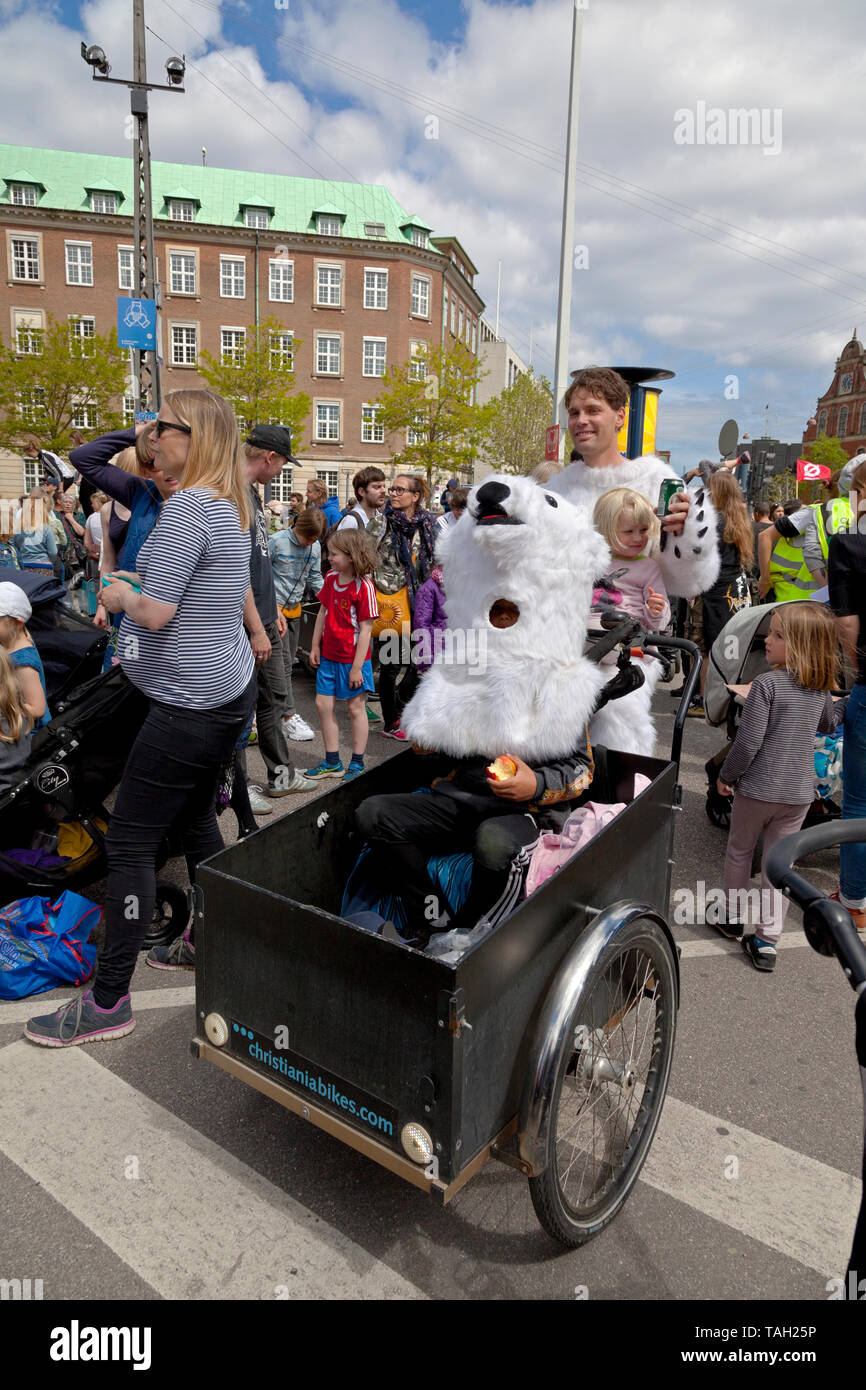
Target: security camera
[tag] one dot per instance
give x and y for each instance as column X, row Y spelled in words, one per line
column 95, row 57
column 175, row 69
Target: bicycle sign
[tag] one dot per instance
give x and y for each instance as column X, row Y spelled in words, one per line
column 136, row 323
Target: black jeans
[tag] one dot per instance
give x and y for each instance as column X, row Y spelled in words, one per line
column 395, row 697
column 170, row 779
column 270, row 707
column 403, row 830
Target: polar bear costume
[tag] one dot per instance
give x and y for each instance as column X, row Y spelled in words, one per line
column 689, row 565
column 533, row 691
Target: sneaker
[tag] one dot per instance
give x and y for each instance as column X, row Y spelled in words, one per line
column 80, row 1021
column 324, row 769
column 299, row 783
column 297, row 729
column 353, row 770
column 259, row 804
column 858, row 914
column 373, row 717
column 180, row 955
column 761, row 953
column 396, row 732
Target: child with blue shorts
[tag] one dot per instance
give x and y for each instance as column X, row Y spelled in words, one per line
column 340, row 650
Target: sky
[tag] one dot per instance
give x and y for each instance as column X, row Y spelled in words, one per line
column 728, row 254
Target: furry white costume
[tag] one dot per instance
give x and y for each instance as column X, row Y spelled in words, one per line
column 533, row 691
column 689, row 565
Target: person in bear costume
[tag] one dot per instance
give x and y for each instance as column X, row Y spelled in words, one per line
column 518, row 573
column 688, row 556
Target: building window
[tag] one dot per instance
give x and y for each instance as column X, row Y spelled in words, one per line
column 184, row 345
column 331, row 478
column 329, row 226
column 421, row 296
column 376, row 229
column 181, row 272
column 372, row 429
column 419, row 237
column 32, row 404
column 417, row 432
column 232, row 278
column 329, row 285
column 233, row 345
column 181, row 210
column 103, row 202
column 24, row 195
column 125, row 268
column 282, row 281
column 453, row 317
column 475, row 337
column 328, row 354
column 28, row 333
column 375, row 289
column 81, row 330
column 862, row 429
column 282, row 351
column 257, row 217
column 283, row 485
column 327, row 422
column 79, row 263
column 822, row 422
column 25, row 258
column 84, row 417
column 417, row 362
column 460, row 321
column 32, row 474
column 374, row 356
column 842, row 427
column 129, row 409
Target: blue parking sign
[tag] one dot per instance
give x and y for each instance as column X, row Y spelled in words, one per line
column 136, row 323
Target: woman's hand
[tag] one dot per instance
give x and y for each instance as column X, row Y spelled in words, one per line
column 261, row 645
column 523, row 786
column 679, row 511
column 723, row 789
column 126, row 575
column 113, row 596
column 100, row 617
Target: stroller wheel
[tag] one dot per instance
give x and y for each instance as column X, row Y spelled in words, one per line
column 170, row 916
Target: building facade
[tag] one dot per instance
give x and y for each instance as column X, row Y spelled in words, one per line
column 355, row 283
column 841, row 411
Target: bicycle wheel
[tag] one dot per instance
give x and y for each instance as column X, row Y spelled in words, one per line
column 610, row 1085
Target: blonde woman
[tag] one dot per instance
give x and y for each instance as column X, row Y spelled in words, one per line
column 735, row 541
column 182, row 642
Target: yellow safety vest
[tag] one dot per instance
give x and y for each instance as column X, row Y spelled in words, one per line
column 789, row 576
column 830, row 517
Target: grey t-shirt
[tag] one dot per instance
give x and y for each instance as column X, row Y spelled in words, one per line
column 261, row 572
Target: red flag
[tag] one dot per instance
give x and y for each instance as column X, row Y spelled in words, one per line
column 551, row 443
column 812, row 472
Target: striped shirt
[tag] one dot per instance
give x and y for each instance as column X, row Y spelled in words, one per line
column 773, row 755
column 197, row 557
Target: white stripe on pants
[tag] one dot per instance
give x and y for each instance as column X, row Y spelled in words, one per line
column 749, row 818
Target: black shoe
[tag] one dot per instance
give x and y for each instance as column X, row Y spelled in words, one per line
column 761, row 953
column 733, row 930
column 696, row 708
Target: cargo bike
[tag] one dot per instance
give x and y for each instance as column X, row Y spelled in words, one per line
column 546, row 1045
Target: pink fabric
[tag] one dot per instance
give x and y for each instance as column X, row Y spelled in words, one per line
column 640, row 576
column 555, row 849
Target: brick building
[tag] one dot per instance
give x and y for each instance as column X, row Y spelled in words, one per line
column 841, row 411
column 353, row 279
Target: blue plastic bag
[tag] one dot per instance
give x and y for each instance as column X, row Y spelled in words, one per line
column 44, row 944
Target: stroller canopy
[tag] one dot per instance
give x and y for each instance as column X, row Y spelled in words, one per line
column 737, row 657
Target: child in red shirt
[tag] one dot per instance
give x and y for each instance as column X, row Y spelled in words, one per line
column 340, row 650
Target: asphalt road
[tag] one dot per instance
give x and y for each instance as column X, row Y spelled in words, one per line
column 130, row 1171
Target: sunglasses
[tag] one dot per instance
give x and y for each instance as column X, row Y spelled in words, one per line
column 160, row 427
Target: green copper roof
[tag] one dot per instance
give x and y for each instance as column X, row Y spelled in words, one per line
column 221, row 194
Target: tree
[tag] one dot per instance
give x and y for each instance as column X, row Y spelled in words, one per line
column 829, row 451
column 513, row 434
column 430, row 397
column 258, row 378
column 55, row 379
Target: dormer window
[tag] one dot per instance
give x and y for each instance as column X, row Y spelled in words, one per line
column 24, row 195
column 181, row 210
column 419, row 237
column 257, row 217
column 376, row 229
column 103, row 202
column 328, row 225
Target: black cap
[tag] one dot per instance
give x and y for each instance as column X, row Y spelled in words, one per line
column 276, row 437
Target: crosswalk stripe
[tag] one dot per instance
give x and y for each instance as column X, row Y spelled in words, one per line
column 794, row 1204
column 172, row 997
column 197, row 1223
column 688, row 949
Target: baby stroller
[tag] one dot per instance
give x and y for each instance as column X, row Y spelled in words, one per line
column 53, row 817
column 736, row 658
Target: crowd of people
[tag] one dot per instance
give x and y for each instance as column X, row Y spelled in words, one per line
column 202, row 588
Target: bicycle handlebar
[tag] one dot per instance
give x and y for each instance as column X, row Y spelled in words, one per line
column 827, row 924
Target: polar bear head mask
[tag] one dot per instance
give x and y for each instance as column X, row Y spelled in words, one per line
column 518, row 571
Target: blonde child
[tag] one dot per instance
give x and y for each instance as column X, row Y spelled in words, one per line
column 340, row 649
column 15, row 722
column 631, row 527
column 770, row 767
column 15, row 611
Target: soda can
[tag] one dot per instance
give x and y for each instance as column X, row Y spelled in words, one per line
column 669, row 488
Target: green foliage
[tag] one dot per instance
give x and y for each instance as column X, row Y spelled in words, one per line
column 431, row 395
column 260, row 387
column 827, row 450
column 513, row 435
column 42, row 391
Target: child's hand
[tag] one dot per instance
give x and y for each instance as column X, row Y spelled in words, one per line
column 315, row 657
column 356, row 678
column 655, row 603
column 723, row 789
column 523, row 786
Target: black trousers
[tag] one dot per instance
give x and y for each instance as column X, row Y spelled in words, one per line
column 170, row 778
column 405, row 829
column 397, row 685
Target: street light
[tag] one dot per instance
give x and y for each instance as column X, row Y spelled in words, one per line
column 95, row 57
column 175, row 69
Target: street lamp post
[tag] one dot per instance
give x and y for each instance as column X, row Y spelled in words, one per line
column 145, row 375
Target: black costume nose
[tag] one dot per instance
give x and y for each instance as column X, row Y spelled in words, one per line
column 492, row 495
